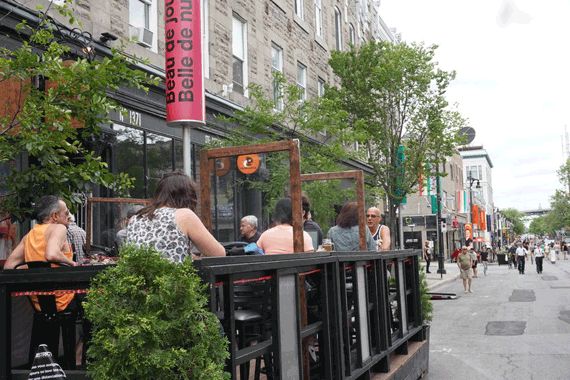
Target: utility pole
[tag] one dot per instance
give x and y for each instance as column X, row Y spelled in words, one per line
column 440, row 267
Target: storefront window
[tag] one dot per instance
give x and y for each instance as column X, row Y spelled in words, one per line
column 158, row 158
column 128, row 157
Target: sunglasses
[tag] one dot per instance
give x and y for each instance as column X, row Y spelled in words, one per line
column 372, row 216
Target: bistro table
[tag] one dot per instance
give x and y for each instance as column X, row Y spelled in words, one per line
column 40, row 279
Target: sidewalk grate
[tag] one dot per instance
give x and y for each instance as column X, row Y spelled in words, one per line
column 505, row 328
column 521, row 295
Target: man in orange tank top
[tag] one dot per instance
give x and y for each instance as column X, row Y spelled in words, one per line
column 47, row 241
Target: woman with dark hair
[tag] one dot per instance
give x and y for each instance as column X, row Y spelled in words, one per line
column 169, row 223
column 345, row 235
column 279, row 239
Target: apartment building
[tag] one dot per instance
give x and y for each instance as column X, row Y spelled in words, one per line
column 478, row 179
column 419, row 214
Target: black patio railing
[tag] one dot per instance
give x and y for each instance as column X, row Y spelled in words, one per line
column 299, row 316
column 319, row 316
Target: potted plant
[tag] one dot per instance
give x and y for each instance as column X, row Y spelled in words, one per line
column 150, row 321
column 427, row 306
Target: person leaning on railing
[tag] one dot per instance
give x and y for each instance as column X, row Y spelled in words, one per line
column 279, row 239
column 345, row 235
column 47, row 241
column 169, row 223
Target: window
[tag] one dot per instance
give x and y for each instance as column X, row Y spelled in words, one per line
column 351, row 34
column 143, row 22
column 338, row 28
column 318, row 18
column 320, row 87
column 299, row 8
column 277, row 66
column 302, row 80
column 239, row 51
column 139, row 13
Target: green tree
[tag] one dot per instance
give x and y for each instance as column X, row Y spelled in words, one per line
column 516, row 218
column 559, row 216
column 540, row 226
column 564, row 174
column 303, row 119
column 393, row 94
column 59, row 103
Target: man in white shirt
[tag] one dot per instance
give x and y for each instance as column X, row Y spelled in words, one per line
column 521, row 257
column 538, row 257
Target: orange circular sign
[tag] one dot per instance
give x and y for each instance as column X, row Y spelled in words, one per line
column 248, row 163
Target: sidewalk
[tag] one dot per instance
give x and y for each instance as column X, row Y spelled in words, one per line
column 436, row 280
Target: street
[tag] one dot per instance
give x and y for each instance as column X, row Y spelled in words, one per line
column 512, row 327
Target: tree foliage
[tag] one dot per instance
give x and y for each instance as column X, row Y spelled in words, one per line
column 55, row 113
column 302, row 119
column 540, row 226
column 150, row 321
column 516, row 218
column 392, row 95
column 559, row 216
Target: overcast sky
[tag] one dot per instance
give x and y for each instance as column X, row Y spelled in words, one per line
column 512, row 59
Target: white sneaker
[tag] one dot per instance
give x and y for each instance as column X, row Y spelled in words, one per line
column 466, row 292
column 470, row 291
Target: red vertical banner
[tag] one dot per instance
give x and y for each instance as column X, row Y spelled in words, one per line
column 185, row 103
column 475, row 216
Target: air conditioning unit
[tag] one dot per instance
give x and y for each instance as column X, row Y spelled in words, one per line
column 142, row 35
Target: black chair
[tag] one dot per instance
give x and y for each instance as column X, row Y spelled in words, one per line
column 252, row 317
column 235, row 248
column 48, row 323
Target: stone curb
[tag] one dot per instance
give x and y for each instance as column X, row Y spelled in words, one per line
column 435, row 284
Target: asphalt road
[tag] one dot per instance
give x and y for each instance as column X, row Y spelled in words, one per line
column 511, row 327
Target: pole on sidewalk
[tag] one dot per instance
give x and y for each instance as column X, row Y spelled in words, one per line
column 440, row 266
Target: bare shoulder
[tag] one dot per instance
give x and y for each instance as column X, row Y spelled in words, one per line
column 56, row 229
column 185, row 214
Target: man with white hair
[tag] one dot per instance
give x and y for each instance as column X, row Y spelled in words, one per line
column 248, row 229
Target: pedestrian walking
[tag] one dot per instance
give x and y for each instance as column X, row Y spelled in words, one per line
column 485, row 260
column 552, row 253
column 464, row 262
column 521, row 257
column 538, row 257
column 511, row 255
column 474, row 261
column 427, row 255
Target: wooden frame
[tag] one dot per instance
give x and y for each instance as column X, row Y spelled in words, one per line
column 358, row 177
column 291, row 146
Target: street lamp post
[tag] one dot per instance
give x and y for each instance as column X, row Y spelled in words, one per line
column 440, row 267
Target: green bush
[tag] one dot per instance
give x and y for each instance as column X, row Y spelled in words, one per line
column 150, row 321
column 427, row 307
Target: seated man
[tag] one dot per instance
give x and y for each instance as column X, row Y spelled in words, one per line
column 248, row 229
column 47, row 241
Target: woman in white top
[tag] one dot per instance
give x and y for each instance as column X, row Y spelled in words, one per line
column 169, row 223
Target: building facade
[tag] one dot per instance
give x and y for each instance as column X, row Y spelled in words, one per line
column 244, row 42
column 478, row 179
column 419, row 214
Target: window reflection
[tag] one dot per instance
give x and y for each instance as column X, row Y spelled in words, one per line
column 128, row 157
column 159, row 159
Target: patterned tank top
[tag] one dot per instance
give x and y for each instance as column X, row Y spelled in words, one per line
column 161, row 233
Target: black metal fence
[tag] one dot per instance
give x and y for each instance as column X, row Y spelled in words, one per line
column 315, row 316
column 299, row 316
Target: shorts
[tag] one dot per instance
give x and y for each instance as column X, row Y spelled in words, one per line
column 466, row 274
